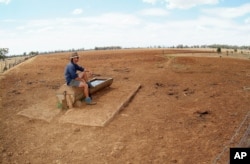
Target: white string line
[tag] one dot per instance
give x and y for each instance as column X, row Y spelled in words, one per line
column 244, row 138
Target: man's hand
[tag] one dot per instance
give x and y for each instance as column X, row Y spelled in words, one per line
column 90, row 73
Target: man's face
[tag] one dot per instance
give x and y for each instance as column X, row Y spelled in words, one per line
column 76, row 59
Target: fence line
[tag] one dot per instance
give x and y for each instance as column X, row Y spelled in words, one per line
column 243, row 139
column 9, row 62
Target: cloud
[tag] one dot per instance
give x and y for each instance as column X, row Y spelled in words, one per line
column 114, row 20
column 186, row 4
column 203, row 30
column 154, row 12
column 121, row 29
column 5, row 1
column 247, row 21
column 182, row 4
column 68, row 33
column 149, row 1
column 229, row 12
column 77, row 11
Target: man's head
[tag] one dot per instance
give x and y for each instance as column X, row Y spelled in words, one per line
column 74, row 57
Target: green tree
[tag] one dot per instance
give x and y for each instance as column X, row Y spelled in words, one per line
column 3, row 52
column 218, row 50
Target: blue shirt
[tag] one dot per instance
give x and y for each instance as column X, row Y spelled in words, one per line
column 70, row 72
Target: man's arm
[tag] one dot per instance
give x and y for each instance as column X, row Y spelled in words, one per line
column 79, row 68
column 83, row 69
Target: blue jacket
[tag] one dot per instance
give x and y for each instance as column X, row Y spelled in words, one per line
column 71, row 71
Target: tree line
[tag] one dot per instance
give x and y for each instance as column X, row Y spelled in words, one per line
column 222, row 46
column 4, row 51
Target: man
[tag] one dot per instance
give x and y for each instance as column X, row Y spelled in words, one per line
column 78, row 79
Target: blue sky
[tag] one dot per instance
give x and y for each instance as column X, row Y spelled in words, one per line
column 48, row 25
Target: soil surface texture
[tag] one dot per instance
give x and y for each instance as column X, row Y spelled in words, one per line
column 191, row 108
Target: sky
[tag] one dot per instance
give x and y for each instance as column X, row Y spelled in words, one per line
column 49, row 25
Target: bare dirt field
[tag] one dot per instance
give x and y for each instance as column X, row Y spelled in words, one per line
column 190, row 109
